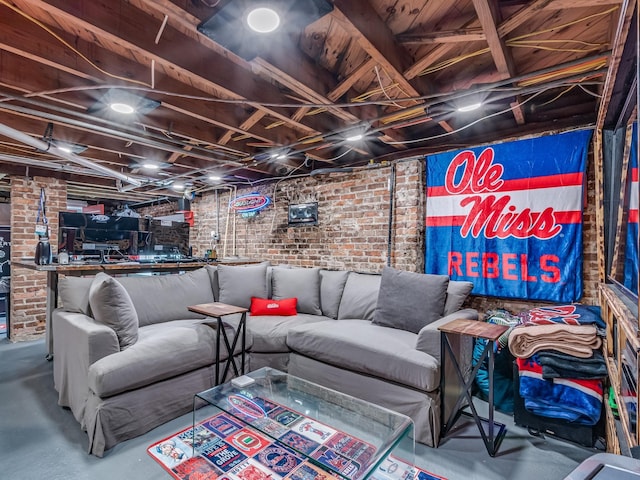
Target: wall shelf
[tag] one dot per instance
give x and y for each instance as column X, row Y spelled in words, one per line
column 622, row 350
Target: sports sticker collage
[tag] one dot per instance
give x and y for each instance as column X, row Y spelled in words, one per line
column 228, row 449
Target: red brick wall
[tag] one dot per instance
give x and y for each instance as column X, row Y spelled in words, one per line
column 353, row 211
column 28, row 288
column 160, row 210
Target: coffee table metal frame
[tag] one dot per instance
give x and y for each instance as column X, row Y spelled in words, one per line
column 218, row 310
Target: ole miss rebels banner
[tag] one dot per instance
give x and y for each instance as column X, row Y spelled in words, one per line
column 508, row 217
column 631, row 250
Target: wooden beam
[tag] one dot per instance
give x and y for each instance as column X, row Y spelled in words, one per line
column 364, row 25
column 598, row 155
column 23, row 39
column 488, row 15
column 621, row 36
column 118, row 30
column 432, row 56
column 523, row 15
column 445, row 36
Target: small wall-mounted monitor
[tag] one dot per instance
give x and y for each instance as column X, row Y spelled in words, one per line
column 303, row 214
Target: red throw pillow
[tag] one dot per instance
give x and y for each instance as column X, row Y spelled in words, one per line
column 267, row 306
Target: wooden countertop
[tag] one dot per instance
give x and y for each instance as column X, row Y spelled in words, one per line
column 123, row 267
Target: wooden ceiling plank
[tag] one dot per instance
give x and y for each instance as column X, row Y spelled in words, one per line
column 443, row 36
column 523, row 15
column 196, row 110
column 189, row 64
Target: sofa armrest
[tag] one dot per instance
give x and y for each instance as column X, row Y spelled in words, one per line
column 81, row 332
column 428, row 340
column 78, row 342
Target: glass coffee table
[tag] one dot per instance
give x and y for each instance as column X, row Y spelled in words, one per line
column 276, row 425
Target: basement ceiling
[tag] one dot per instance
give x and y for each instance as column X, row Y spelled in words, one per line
column 223, row 101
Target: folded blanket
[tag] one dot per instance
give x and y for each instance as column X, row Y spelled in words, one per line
column 560, row 365
column 577, row 340
column 574, row 314
column 578, row 401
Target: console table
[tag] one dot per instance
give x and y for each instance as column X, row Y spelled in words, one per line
column 125, row 268
column 489, row 332
column 218, row 310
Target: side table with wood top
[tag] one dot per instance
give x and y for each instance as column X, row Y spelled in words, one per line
column 479, row 330
column 218, row 310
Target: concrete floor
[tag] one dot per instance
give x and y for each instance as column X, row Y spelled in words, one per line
column 40, row 440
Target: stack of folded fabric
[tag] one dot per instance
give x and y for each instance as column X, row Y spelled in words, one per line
column 579, row 341
column 560, row 366
column 570, row 399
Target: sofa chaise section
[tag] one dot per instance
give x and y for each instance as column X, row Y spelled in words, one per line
column 119, row 393
column 392, row 367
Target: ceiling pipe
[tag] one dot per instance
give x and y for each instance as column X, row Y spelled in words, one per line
column 45, row 147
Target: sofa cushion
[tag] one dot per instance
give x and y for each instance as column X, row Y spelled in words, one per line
column 269, row 333
column 361, row 346
column 161, row 298
column 239, row 283
column 331, row 287
column 409, row 300
column 359, row 296
column 457, row 293
column 163, row 351
column 73, row 292
column 269, row 306
column 302, row 283
column 111, row 305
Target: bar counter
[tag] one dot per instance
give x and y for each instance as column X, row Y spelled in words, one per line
column 112, row 268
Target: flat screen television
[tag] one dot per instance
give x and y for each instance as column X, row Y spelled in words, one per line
column 88, row 235
column 163, row 239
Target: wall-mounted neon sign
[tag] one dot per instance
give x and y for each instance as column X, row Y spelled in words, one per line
column 249, row 203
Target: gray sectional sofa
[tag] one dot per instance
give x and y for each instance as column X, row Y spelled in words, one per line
column 129, row 356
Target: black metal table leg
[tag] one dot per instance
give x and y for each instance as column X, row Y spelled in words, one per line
column 490, row 333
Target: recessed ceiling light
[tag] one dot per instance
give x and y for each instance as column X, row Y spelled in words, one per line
column 470, row 108
column 263, row 20
column 122, row 108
